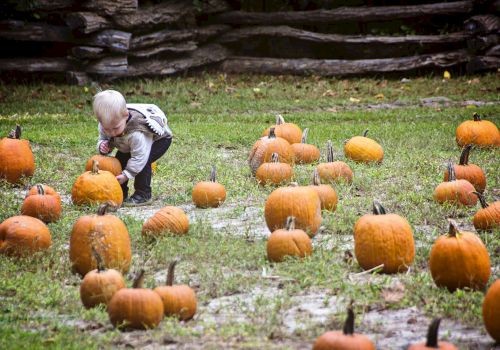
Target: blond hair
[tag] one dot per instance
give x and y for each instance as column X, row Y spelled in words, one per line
column 109, row 105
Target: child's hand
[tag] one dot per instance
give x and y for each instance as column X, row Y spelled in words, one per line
column 104, row 147
column 121, row 179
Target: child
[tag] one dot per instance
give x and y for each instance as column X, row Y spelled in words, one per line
column 140, row 133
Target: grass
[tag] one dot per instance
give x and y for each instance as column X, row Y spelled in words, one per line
column 215, row 120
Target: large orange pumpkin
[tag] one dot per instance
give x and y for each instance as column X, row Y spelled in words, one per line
column 288, row 242
column 302, row 202
column 491, row 310
column 457, row 192
column 381, row 238
column 363, row 149
column 16, row 157
column 108, row 234
column 289, row 131
column 305, row 153
column 209, row 194
column 478, row 132
column 168, row 219
column 23, row 235
column 178, row 300
column 488, row 217
column 326, row 193
column 432, row 339
column 96, row 186
column 264, row 148
column 107, row 163
column 345, row 339
column 468, row 171
column 136, row 307
column 459, row 259
column 274, row 172
column 333, row 171
column 42, row 202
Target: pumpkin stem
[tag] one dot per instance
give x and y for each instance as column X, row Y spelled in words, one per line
column 378, row 209
column 95, row 167
column 365, row 132
column 464, row 157
column 213, row 174
column 453, row 231
column 40, row 189
column 290, row 223
column 139, row 279
column 432, row 334
column 316, row 178
column 15, row 133
column 279, row 119
column 329, row 151
column 451, row 172
column 104, row 207
column 98, row 259
column 349, row 322
column 477, row 117
column 275, row 158
column 170, row 272
column 304, row 135
column 482, row 200
column 272, row 134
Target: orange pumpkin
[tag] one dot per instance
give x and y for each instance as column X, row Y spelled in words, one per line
column 345, row 339
column 457, row 192
column 363, row 149
column 23, row 235
column 289, row 131
column 166, row 220
column 299, row 201
column 263, row 149
column 383, row 239
column 44, row 203
column 96, row 186
column 107, row 163
column 459, row 259
column 432, row 339
column 488, row 217
column 108, row 234
column 305, row 153
column 16, row 157
column 288, row 242
column 478, row 132
column 470, row 172
column 178, row 300
column 491, row 310
column 99, row 286
column 274, row 172
column 326, row 193
column 209, row 194
column 136, row 307
column 334, row 170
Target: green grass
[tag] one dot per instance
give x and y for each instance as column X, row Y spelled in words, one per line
column 215, row 120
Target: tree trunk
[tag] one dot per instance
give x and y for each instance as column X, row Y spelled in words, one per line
column 86, row 22
column 481, row 25
column 115, row 40
column 77, row 78
column 481, row 43
column 51, row 64
column 108, row 65
column 87, row 52
column 111, row 7
column 182, row 47
column 494, row 51
column 483, row 63
column 23, row 31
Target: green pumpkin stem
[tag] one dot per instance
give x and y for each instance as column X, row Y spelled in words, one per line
column 98, row 259
column 139, row 279
column 105, row 207
column 378, row 209
column 432, row 334
column 272, row 134
column 482, row 200
column 304, row 135
column 170, row 273
column 95, row 167
column 451, row 172
column 477, row 117
column 40, row 189
column 453, row 230
column 349, row 322
column 329, row 152
column 316, row 177
column 275, row 158
column 213, row 174
column 464, row 157
column 365, row 132
column 290, row 223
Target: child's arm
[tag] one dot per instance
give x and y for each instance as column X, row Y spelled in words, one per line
column 103, row 142
column 140, row 147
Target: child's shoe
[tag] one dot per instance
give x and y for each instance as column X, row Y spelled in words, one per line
column 137, row 200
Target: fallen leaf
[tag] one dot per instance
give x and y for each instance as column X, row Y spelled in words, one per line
column 471, row 106
column 446, row 75
column 329, row 93
column 354, row 99
column 380, row 96
column 394, row 293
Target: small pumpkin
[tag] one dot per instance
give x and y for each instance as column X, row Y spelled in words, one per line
column 263, row 149
column 178, row 300
column 302, row 202
column 274, row 172
column 478, row 132
column 363, row 149
column 305, row 153
column 99, row 286
column 136, row 307
column 288, row 242
column 345, row 339
column 468, row 171
column 96, row 186
column 209, row 194
column 457, row 192
column 107, row 163
column 108, row 234
column 488, row 217
column 382, row 238
column 326, row 193
column 168, row 219
column 432, row 339
column 491, row 310
column 333, row 171
column 16, row 157
column 42, row 202
column 23, row 235
column 459, row 259
column 289, row 131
